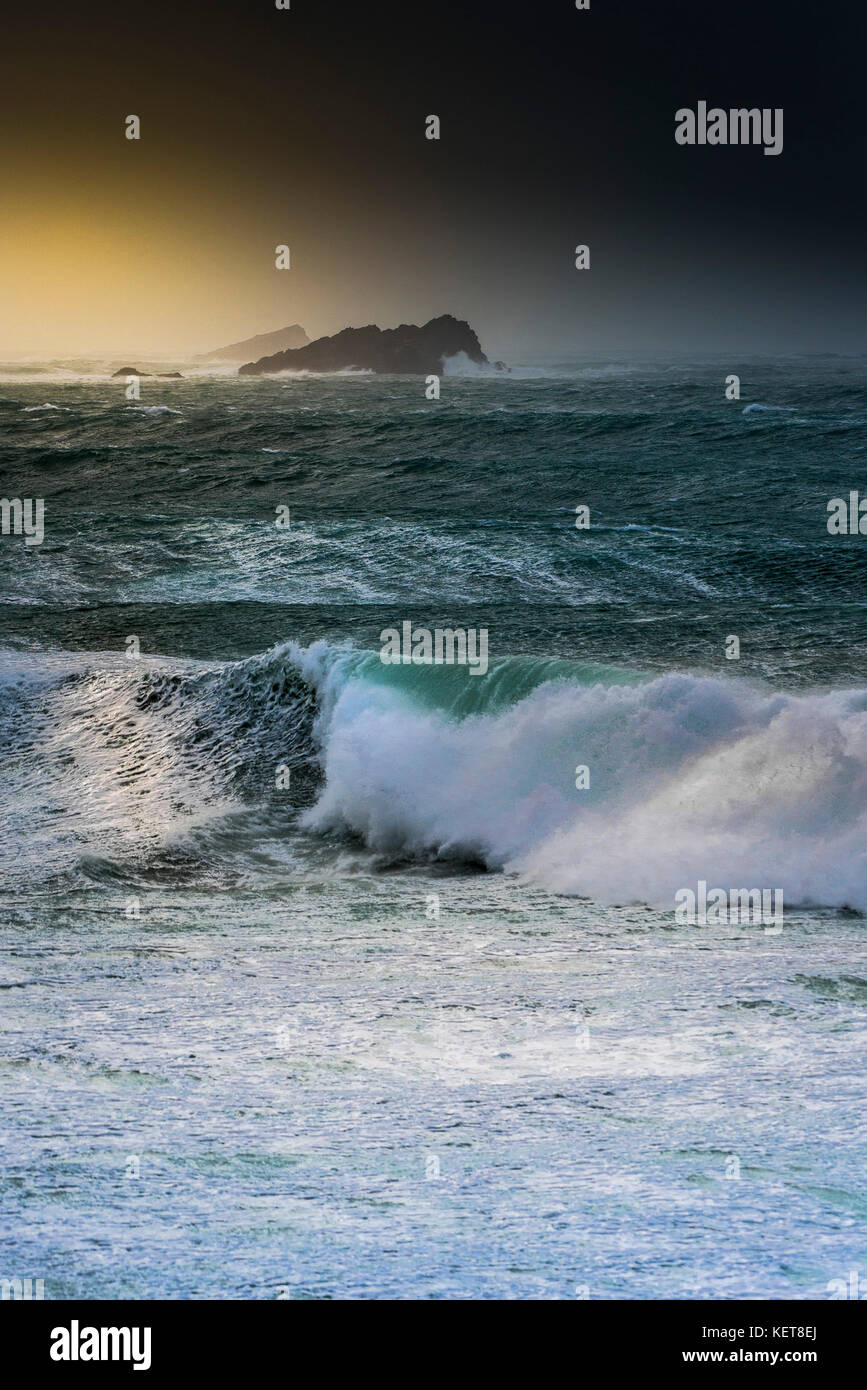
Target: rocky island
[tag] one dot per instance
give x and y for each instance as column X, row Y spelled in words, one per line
column 407, row 349
column 134, row 371
column 263, row 343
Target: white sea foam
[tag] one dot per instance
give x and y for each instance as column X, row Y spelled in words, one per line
column 300, row 373
column 691, row 778
column 462, row 365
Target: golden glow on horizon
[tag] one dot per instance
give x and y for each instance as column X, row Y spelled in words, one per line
column 123, row 259
column 80, row 278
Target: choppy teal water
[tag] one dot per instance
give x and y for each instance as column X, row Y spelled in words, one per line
column 422, row 1023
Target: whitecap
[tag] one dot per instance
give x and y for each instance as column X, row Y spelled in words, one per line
column 693, row 778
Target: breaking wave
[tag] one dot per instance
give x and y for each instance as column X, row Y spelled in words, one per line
column 690, row 777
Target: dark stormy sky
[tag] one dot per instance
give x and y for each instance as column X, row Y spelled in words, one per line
column 306, row 127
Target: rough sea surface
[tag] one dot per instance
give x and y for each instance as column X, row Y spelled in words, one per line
column 320, row 978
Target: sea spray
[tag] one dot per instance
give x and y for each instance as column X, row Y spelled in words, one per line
column 692, row 778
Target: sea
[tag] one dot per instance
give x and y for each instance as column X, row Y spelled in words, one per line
column 328, row 978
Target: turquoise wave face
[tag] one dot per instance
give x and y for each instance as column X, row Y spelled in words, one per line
column 453, row 690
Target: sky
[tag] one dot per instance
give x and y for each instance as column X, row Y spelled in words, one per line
column 306, row 127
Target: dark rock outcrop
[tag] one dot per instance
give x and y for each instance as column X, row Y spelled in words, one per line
column 263, row 343
column 407, row 349
column 134, row 371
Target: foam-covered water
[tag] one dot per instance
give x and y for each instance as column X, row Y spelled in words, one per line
column 380, row 1002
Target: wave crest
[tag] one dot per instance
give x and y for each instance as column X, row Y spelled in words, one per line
column 690, row 778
